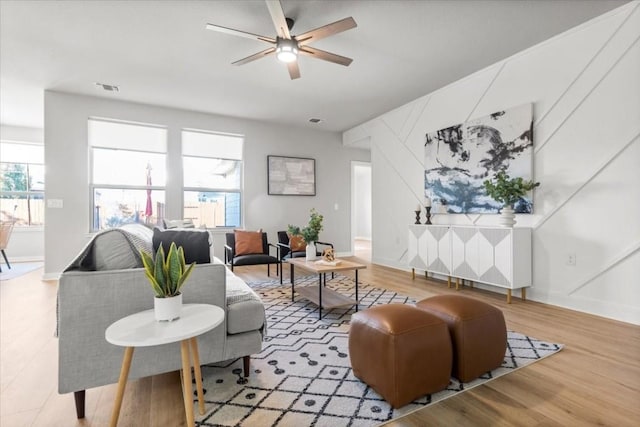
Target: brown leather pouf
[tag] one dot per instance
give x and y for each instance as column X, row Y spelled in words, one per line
column 478, row 333
column 401, row 352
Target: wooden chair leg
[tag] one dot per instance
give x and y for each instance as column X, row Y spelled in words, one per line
column 79, row 397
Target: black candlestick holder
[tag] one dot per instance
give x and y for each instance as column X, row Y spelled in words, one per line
column 417, row 217
column 428, row 209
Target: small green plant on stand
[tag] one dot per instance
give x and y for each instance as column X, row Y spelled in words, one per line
column 167, row 274
column 311, row 232
column 508, row 190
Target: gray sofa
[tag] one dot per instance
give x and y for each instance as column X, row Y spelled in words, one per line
column 89, row 301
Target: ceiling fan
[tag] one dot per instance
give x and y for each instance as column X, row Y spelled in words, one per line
column 287, row 47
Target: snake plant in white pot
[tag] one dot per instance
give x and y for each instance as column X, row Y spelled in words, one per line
column 167, row 276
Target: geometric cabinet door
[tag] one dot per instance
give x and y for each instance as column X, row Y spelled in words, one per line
column 464, row 252
column 417, row 247
column 438, row 242
column 494, row 256
column 429, row 248
column 498, row 256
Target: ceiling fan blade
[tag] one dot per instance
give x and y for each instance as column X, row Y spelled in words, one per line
column 294, row 70
column 233, row 32
column 326, row 31
column 255, row 56
column 278, row 18
column 327, row 56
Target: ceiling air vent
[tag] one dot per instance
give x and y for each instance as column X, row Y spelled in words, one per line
column 108, row 88
column 316, row 121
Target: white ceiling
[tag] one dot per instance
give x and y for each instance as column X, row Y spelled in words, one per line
column 159, row 53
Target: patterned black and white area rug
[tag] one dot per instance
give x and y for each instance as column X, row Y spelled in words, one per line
column 303, row 376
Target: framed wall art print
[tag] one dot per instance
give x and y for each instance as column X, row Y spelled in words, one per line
column 458, row 159
column 291, row 176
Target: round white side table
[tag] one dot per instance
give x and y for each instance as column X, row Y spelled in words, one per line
column 142, row 330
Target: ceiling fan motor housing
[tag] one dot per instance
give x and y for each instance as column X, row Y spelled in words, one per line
column 287, row 49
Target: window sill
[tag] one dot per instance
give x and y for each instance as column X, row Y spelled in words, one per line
column 34, row 229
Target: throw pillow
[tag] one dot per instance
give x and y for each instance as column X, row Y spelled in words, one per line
column 195, row 243
column 248, row 242
column 297, row 243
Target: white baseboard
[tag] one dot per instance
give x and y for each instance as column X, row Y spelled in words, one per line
column 28, row 258
column 51, row 276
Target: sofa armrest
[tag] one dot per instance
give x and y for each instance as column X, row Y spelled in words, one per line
column 89, row 301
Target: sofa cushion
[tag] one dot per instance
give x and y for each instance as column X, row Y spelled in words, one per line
column 195, row 243
column 248, row 242
column 245, row 311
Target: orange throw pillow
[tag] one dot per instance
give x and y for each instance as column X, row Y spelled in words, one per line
column 248, row 242
column 297, row 243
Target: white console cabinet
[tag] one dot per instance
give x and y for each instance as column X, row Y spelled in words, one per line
column 497, row 256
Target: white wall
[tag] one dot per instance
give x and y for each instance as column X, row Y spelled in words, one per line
column 25, row 244
column 585, row 87
column 67, row 173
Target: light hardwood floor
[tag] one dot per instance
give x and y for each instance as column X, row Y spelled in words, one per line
column 594, row 380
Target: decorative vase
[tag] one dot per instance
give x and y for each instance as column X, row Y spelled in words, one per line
column 311, row 251
column 507, row 217
column 167, row 309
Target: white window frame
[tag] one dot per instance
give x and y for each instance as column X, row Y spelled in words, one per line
column 239, row 190
column 28, row 193
column 93, row 186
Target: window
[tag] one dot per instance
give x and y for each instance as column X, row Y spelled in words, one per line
column 128, row 173
column 212, row 165
column 22, row 183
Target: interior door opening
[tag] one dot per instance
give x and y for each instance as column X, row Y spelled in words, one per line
column 361, row 210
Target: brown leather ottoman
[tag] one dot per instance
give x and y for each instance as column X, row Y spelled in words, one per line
column 401, row 352
column 478, row 333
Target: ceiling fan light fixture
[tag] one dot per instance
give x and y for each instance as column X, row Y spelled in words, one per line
column 287, row 50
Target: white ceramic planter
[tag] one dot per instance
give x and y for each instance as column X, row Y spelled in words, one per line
column 507, row 217
column 311, row 251
column 167, row 309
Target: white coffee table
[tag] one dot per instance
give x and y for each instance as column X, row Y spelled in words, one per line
column 142, row 330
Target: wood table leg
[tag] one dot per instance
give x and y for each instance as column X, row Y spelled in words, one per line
column 523, row 294
column 508, row 296
column 186, row 385
column 291, row 278
column 457, row 283
column 471, row 283
column 449, row 282
column 413, row 274
column 319, row 296
column 122, row 382
column 198, row 373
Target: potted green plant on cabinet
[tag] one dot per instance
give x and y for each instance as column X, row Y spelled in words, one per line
column 167, row 276
column 309, row 233
column 507, row 191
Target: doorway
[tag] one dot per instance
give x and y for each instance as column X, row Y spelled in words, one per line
column 361, row 209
